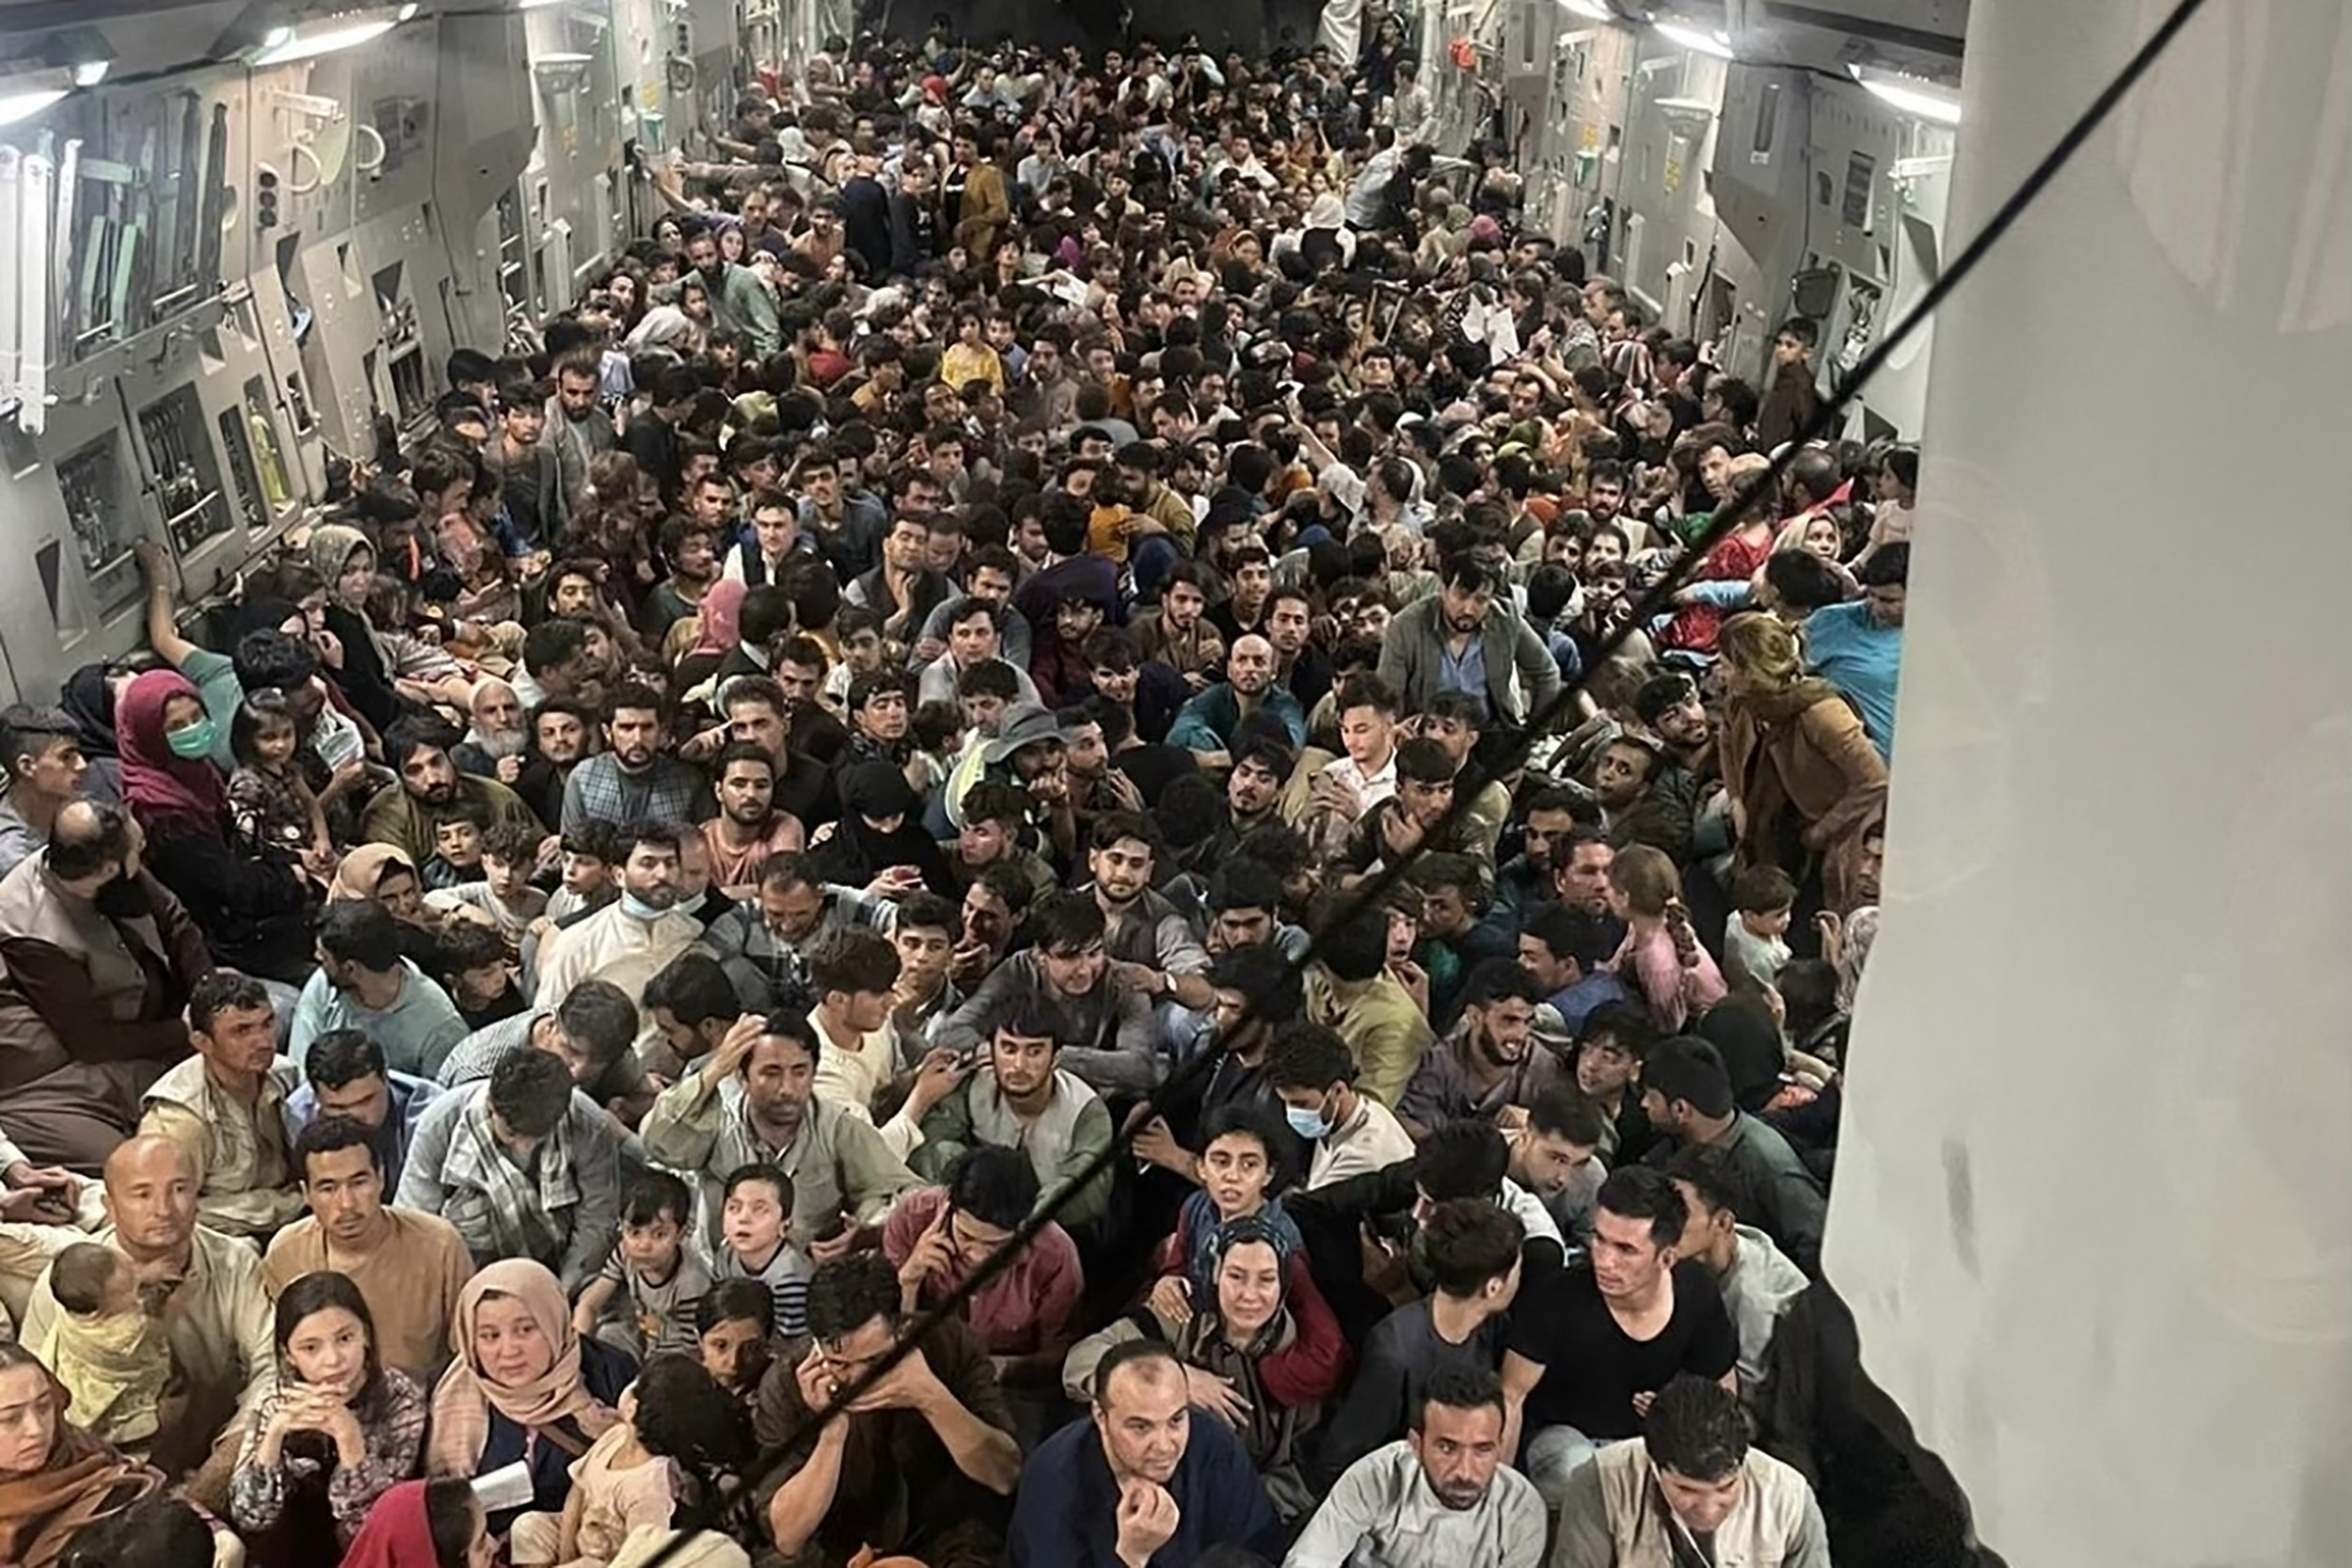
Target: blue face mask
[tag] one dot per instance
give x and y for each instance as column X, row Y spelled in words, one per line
column 194, row 740
column 637, row 909
column 1309, row 1125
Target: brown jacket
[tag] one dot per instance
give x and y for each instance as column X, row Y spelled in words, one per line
column 1802, row 769
column 985, row 211
column 80, row 989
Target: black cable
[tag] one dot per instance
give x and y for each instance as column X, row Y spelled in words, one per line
column 1364, row 897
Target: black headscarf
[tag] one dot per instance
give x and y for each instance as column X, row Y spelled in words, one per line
column 1742, row 1032
column 88, row 700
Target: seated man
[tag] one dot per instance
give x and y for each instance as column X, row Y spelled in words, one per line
column 226, row 1107
column 1686, row 1093
column 1486, row 1062
column 754, row 1101
column 363, row 983
column 207, row 1290
column 1068, row 975
column 1211, row 721
column 1471, row 1251
column 1694, row 1458
column 1756, row 1278
column 1419, row 817
column 1459, row 1160
column 1350, row 991
column 1139, row 1482
column 936, row 1236
column 592, row 1031
column 1594, row 1344
column 1564, row 950
column 693, row 1005
column 1022, row 1098
column 407, row 813
column 1311, row 1071
column 525, row 1165
column 409, row 1266
column 765, row 942
column 1441, row 1499
column 1556, row 1155
column 629, row 940
column 346, row 1077
column 97, row 960
column 918, row 1463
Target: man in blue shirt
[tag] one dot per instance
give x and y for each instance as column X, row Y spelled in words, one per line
column 1142, row 1484
column 347, row 1077
column 1858, row 648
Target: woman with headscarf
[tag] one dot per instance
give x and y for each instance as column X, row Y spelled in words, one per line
column 881, row 831
column 254, row 911
column 88, row 700
column 1261, row 1351
column 55, row 1478
column 380, row 873
column 425, row 1524
column 342, row 555
column 1806, row 783
column 718, row 621
column 1765, row 1082
column 524, row 1387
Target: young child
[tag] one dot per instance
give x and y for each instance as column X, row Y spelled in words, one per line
column 504, row 896
column 668, row 1457
column 863, row 651
column 1756, row 938
column 477, row 969
column 271, row 808
column 111, row 1356
column 663, row 1281
column 755, row 1225
column 457, row 847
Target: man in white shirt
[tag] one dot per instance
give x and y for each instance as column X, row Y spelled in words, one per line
column 1313, row 1073
column 856, row 976
column 1366, row 776
column 1441, row 1497
column 630, row 940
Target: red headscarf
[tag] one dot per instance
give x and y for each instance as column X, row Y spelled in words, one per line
column 158, row 785
column 397, row 1533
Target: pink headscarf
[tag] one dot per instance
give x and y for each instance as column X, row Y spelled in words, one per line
column 158, row 785
column 719, row 615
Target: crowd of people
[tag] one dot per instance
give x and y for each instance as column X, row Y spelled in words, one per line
column 1048, row 605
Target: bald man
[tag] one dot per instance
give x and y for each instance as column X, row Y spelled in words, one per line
column 205, row 1286
column 1210, row 724
column 97, row 962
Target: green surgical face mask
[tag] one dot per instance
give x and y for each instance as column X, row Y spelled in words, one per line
column 194, row 740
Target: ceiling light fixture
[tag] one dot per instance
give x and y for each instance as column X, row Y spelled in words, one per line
column 1596, row 10
column 1699, row 40
column 28, row 103
column 1910, row 95
column 327, row 35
